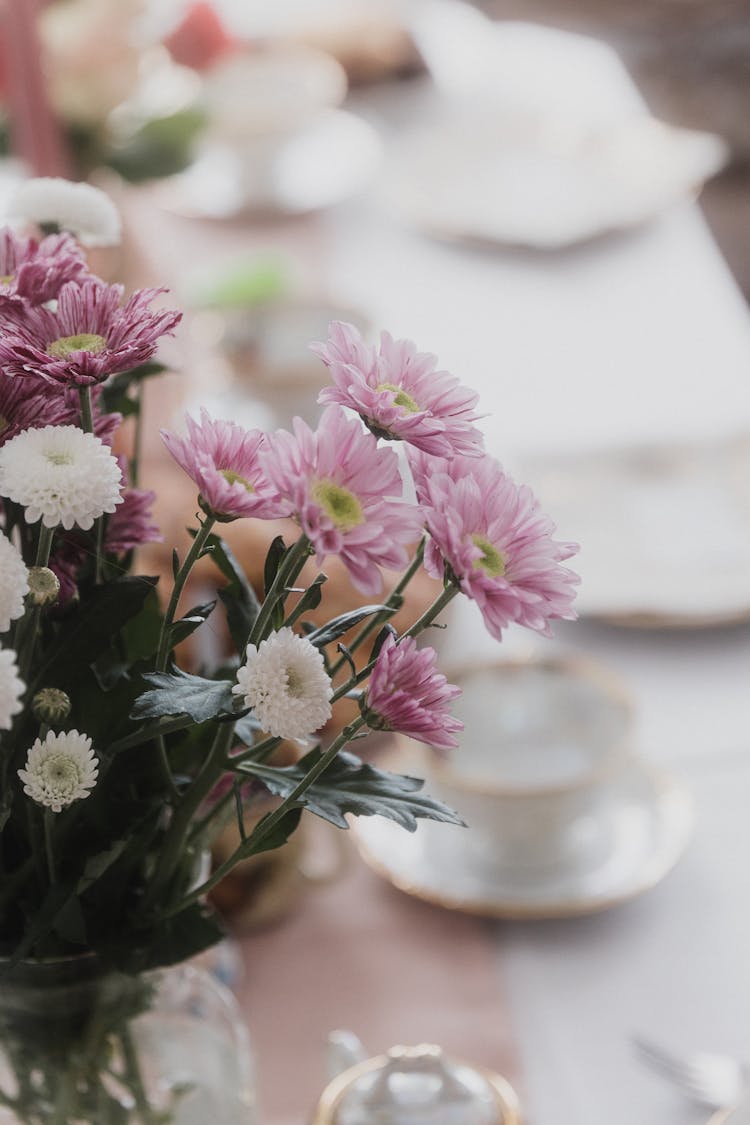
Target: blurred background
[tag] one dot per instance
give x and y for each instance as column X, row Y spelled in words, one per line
column 554, row 197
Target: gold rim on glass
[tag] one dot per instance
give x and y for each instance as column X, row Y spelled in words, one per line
column 332, row 1097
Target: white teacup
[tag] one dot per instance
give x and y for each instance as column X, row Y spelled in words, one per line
column 542, row 746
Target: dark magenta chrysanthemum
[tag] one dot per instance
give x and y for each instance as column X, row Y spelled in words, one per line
column 89, row 336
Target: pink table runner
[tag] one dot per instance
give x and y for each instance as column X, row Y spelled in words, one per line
column 359, row 955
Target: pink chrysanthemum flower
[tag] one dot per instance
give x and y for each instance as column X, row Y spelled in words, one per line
column 31, row 403
column 407, row 694
column 345, row 491
column 36, row 271
column 88, row 337
column 132, row 524
column 398, row 393
column 224, row 461
column 496, row 542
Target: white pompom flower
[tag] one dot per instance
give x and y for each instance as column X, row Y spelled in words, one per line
column 12, row 688
column 60, row 475
column 14, row 583
column 60, row 769
column 79, row 208
column 285, row 683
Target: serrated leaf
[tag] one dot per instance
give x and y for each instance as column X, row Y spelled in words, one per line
column 352, row 786
column 180, row 693
column 276, row 552
column 341, row 624
column 192, row 620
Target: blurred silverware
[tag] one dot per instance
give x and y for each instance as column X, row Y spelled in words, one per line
column 714, row 1081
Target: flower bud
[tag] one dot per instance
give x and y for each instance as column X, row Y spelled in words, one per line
column 50, row 706
column 44, row 586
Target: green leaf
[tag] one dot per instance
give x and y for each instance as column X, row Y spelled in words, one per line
column 88, row 631
column 246, row 728
column 192, row 620
column 310, row 600
column 277, row 837
column 276, row 553
column 41, row 923
column 115, row 394
column 341, row 624
column 238, row 596
column 179, row 693
column 97, row 865
column 352, row 786
column 387, row 631
column 175, row 939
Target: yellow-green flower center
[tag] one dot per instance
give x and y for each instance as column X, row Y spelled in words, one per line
column 231, row 477
column 6, row 278
column 491, row 561
column 83, row 342
column 341, row 505
column 60, row 773
column 56, row 458
column 401, row 398
column 295, row 685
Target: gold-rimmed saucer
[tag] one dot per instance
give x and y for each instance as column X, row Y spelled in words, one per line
column 641, row 833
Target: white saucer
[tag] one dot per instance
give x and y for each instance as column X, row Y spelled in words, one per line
column 330, row 160
column 538, row 181
column 652, row 498
column 646, row 828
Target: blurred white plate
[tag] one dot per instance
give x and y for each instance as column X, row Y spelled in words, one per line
column 648, row 823
column 537, row 180
column 664, row 532
column 322, row 164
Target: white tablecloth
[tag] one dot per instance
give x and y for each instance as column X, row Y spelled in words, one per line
column 643, row 336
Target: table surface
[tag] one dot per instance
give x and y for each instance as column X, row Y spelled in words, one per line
column 643, row 336
column 620, row 341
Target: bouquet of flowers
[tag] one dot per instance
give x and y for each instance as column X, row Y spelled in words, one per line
column 117, row 767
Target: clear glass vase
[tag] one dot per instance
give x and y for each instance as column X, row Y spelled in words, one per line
column 78, row 1045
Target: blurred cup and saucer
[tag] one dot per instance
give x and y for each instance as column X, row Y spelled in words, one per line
column 277, row 140
column 543, row 747
column 562, row 818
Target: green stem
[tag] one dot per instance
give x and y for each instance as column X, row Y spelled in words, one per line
column 49, row 824
column 393, row 602
column 178, row 832
column 196, row 549
column 266, row 826
column 285, row 576
column 87, row 415
column 29, row 627
column 134, row 1077
column 433, row 611
column 257, row 753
